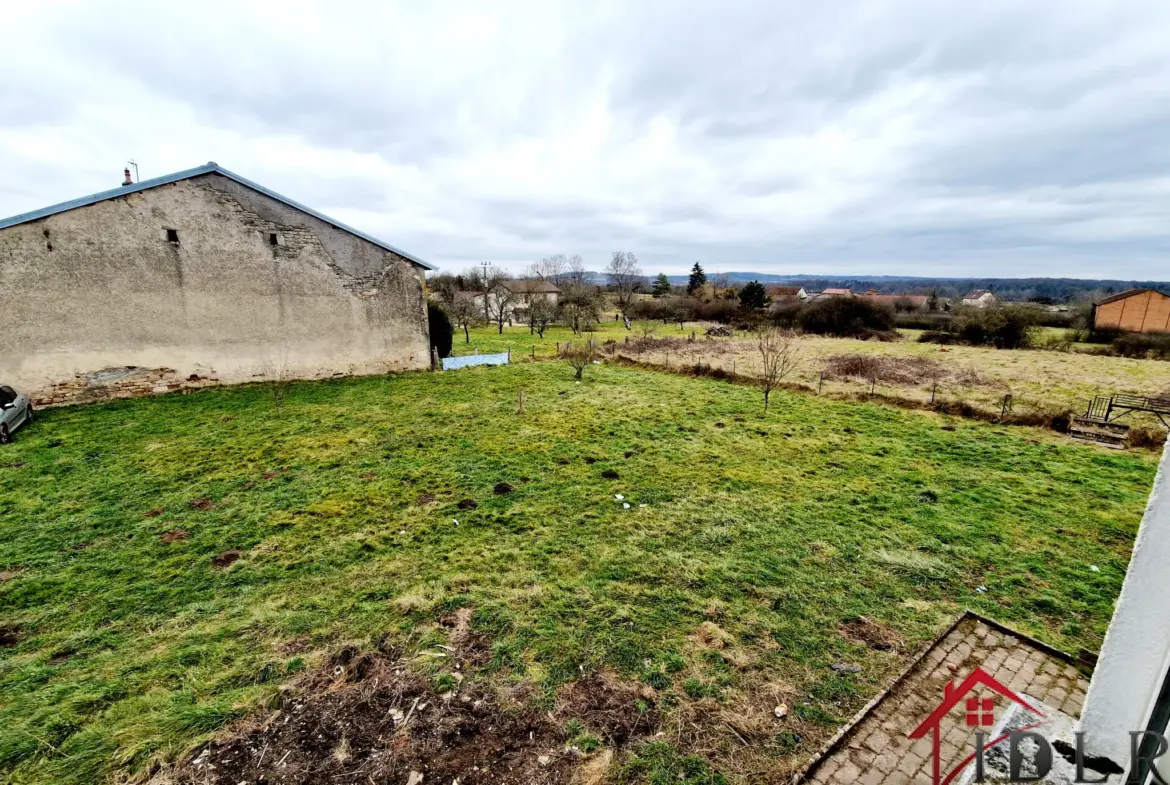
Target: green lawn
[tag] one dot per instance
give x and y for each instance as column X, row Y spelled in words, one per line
column 129, row 650
column 522, row 343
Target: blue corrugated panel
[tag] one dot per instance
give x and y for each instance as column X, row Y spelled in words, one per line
column 468, row 360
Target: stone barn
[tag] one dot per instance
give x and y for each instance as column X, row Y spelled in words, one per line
column 1135, row 310
column 199, row 277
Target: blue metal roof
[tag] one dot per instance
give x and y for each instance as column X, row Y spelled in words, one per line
column 211, row 167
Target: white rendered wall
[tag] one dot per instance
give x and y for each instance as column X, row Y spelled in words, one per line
column 1134, row 658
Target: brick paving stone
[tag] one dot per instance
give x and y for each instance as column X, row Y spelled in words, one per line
column 877, row 741
column 848, row 772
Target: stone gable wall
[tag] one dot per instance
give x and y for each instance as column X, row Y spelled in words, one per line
column 87, row 293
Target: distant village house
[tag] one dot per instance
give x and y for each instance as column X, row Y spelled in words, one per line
column 979, row 298
column 515, row 296
column 787, row 294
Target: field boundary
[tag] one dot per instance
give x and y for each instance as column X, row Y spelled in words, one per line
column 1057, row 421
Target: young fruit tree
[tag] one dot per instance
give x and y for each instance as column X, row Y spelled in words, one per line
column 779, row 355
column 579, row 355
column 464, row 314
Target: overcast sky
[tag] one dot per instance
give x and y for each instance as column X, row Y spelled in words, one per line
column 935, row 138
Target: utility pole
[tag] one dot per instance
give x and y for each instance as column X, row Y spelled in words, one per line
column 486, row 265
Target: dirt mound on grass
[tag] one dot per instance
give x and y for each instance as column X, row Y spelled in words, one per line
column 364, row 717
column 872, row 633
column 370, row 720
column 226, row 559
column 8, row 636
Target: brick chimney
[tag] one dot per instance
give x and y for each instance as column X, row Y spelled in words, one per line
column 127, row 180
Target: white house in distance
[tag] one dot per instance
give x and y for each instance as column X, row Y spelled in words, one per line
column 979, row 298
column 516, row 295
column 787, row 294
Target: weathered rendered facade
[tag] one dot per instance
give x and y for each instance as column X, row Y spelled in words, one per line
column 199, row 278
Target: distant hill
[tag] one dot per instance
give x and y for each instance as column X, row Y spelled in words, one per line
column 1059, row 290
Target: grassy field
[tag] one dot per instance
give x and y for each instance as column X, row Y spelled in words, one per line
column 748, row 541
column 981, row 376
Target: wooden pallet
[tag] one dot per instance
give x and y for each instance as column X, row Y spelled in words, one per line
column 1107, row 434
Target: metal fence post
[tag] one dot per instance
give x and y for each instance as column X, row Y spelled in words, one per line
column 820, row 382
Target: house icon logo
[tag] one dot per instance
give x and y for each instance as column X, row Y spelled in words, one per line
column 979, row 710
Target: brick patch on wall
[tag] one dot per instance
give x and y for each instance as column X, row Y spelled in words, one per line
column 121, row 382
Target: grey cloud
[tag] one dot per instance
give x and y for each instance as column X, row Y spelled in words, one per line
column 906, row 136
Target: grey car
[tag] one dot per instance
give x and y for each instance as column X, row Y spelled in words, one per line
column 15, row 410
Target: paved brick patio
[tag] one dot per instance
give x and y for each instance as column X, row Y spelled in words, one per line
column 876, row 750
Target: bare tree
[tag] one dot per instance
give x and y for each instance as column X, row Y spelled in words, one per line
column 575, row 272
column 579, row 355
column 541, row 312
column 445, row 286
column 779, row 354
column 580, row 306
column 626, row 280
column 277, row 370
column 464, row 314
column 482, row 280
column 500, row 301
column 551, row 268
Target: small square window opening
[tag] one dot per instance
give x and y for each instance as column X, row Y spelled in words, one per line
column 173, row 236
column 273, row 239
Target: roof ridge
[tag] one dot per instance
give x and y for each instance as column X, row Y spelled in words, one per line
column 211, row 167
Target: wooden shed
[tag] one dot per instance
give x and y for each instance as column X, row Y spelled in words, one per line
column 1135, row 310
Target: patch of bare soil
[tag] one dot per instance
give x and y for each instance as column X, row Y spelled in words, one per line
column 502, row 488
column 467, row 504
column 157, row 511
column 202, row 503
column 174, row 535
column 227, row 558
column 425, row 499
column 873, row 634
column 7, row 575
column 468, row 648
column 366, row 718
column 8, row 636
column 614, row 710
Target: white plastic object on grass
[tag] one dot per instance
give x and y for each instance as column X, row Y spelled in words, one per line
column 618, row 496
